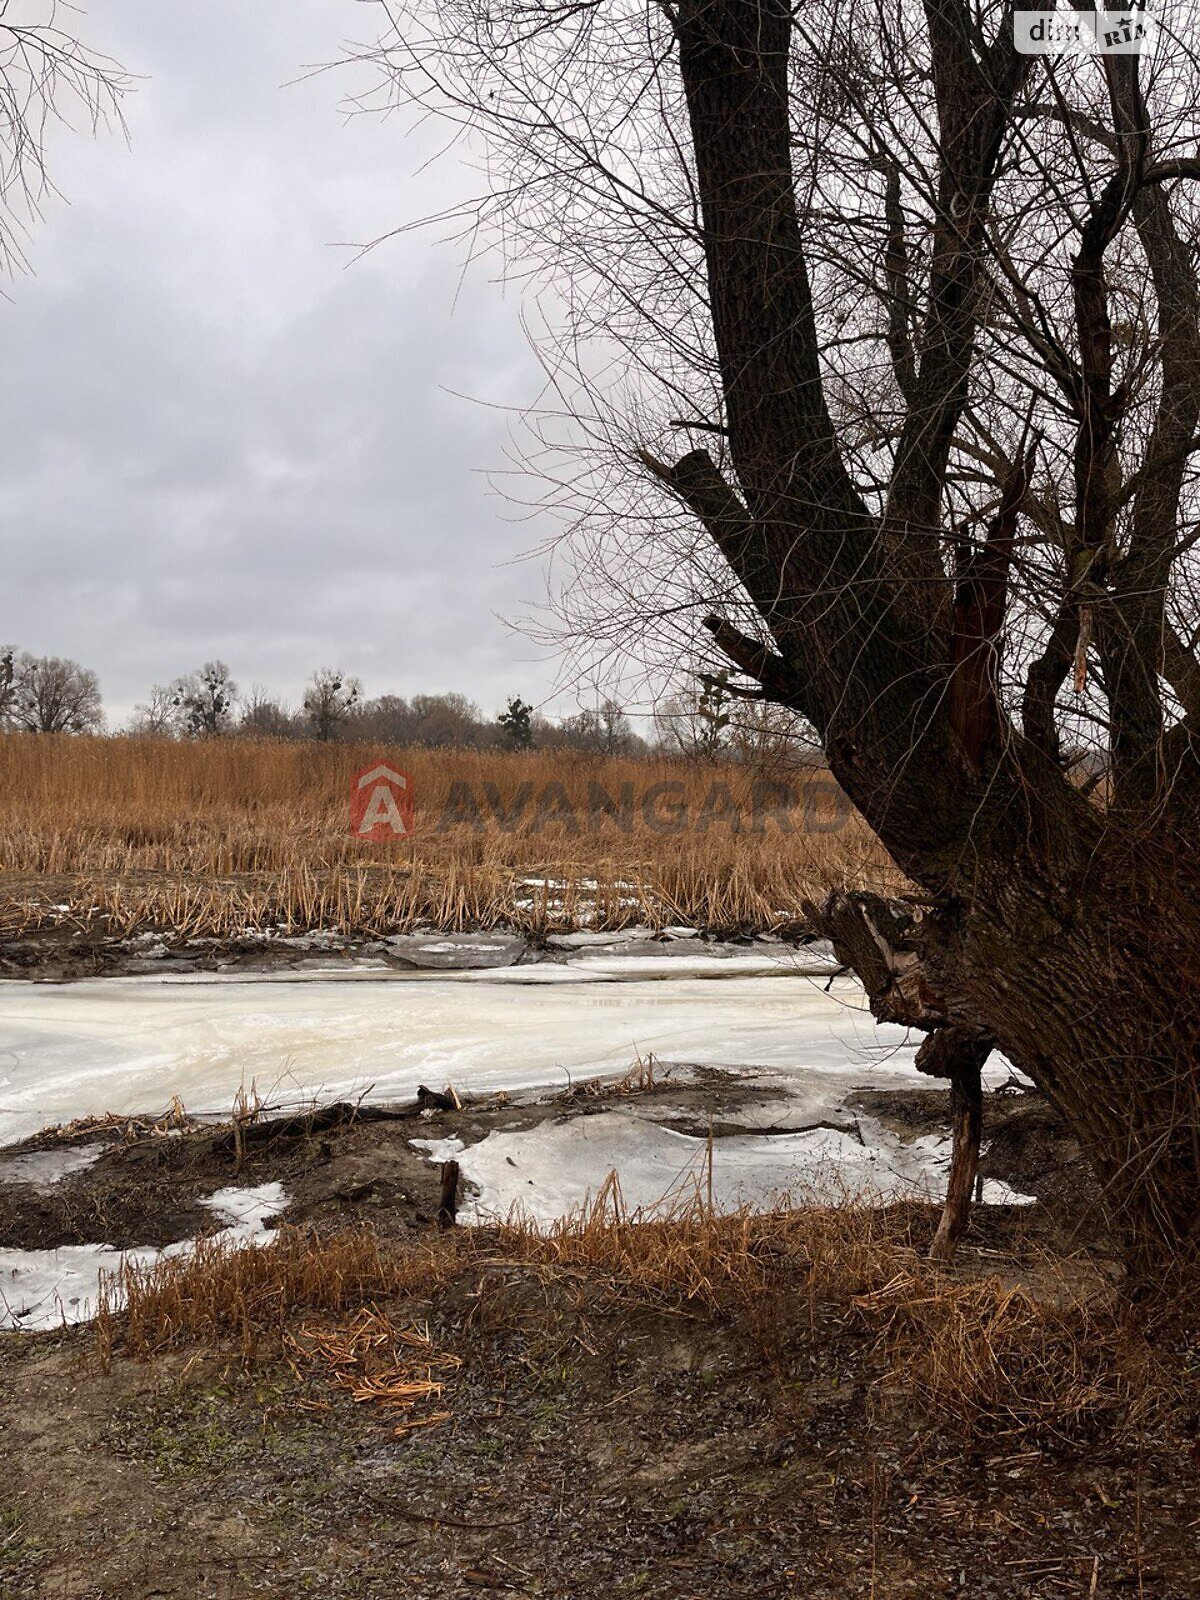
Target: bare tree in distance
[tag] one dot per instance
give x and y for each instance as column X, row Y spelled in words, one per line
column 442, row 720
column 329, row 702
column 204, row 701
column 7, row 682
column 695, row 723
column 767, row 735
column 264, row 717
column 388, row 719
column 48, row 694
column 156, row 717
column 603, row 730
column 908, row 325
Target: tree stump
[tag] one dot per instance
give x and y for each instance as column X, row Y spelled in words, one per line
column 448, row 1208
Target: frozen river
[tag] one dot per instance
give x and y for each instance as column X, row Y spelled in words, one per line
column 129, row 1044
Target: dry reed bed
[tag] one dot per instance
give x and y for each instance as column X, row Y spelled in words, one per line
column 213, row 838
column 979, row 1355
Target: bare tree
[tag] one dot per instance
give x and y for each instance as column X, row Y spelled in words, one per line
column 204, row 701
column 47, row 75
column 603, row 730
column 445, row 719
column 695, row 723
column 156, row 717
column 388, row 719
column 263, row 717
column 7, row 682
column 53, row 695
column 925, row 310
column 767, row 735
column 329, row 701
column 438, row 720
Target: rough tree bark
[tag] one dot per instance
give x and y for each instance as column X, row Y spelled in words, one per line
column 1069, row 935
column 955, row 483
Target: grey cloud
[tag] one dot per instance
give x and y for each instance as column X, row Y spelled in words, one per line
column 219, row 438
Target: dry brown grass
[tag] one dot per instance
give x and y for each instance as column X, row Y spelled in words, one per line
column 975, row 1353
column 213, row 838
column 980, row 1355
column 238, row 1296
column 1000, row 1359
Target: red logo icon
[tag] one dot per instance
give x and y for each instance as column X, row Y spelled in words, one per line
column 381, row 804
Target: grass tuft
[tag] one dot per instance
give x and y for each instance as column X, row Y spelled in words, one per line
column 239, row 1295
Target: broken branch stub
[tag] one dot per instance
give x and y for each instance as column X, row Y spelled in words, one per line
column 883, row 941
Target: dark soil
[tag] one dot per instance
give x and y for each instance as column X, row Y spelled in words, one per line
column 597, row 1447
column 1026, row 1144
column 594, row 1449
column 148, row 1186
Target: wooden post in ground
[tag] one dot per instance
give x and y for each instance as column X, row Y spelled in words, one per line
column 958, row 1053
column 448, row 1209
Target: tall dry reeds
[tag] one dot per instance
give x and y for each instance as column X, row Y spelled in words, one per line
column 214, row 837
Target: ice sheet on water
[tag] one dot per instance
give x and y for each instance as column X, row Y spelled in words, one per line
column 42, row 1289
column 127, row 1045
column 458, row 952
column 585, row 939
column 554, row 1169
column 622, row 961
column 44, row 1168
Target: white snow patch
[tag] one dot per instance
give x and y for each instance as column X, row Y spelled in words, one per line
column 439, row 1150
column 248, row 1208
column 935, row 1148
column 42, row 1289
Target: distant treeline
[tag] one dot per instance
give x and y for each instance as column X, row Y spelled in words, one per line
column 704, row 719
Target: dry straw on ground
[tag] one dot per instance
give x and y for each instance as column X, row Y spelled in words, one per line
column 1030, row 1352
column 220, row 1293
column 215, row 837
column 377, row 1363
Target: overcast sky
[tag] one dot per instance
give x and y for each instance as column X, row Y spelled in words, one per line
column 222, row 439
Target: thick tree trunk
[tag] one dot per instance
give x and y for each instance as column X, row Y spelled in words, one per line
column 1092, row 993
column 1096, row 997
column 1069, row 936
